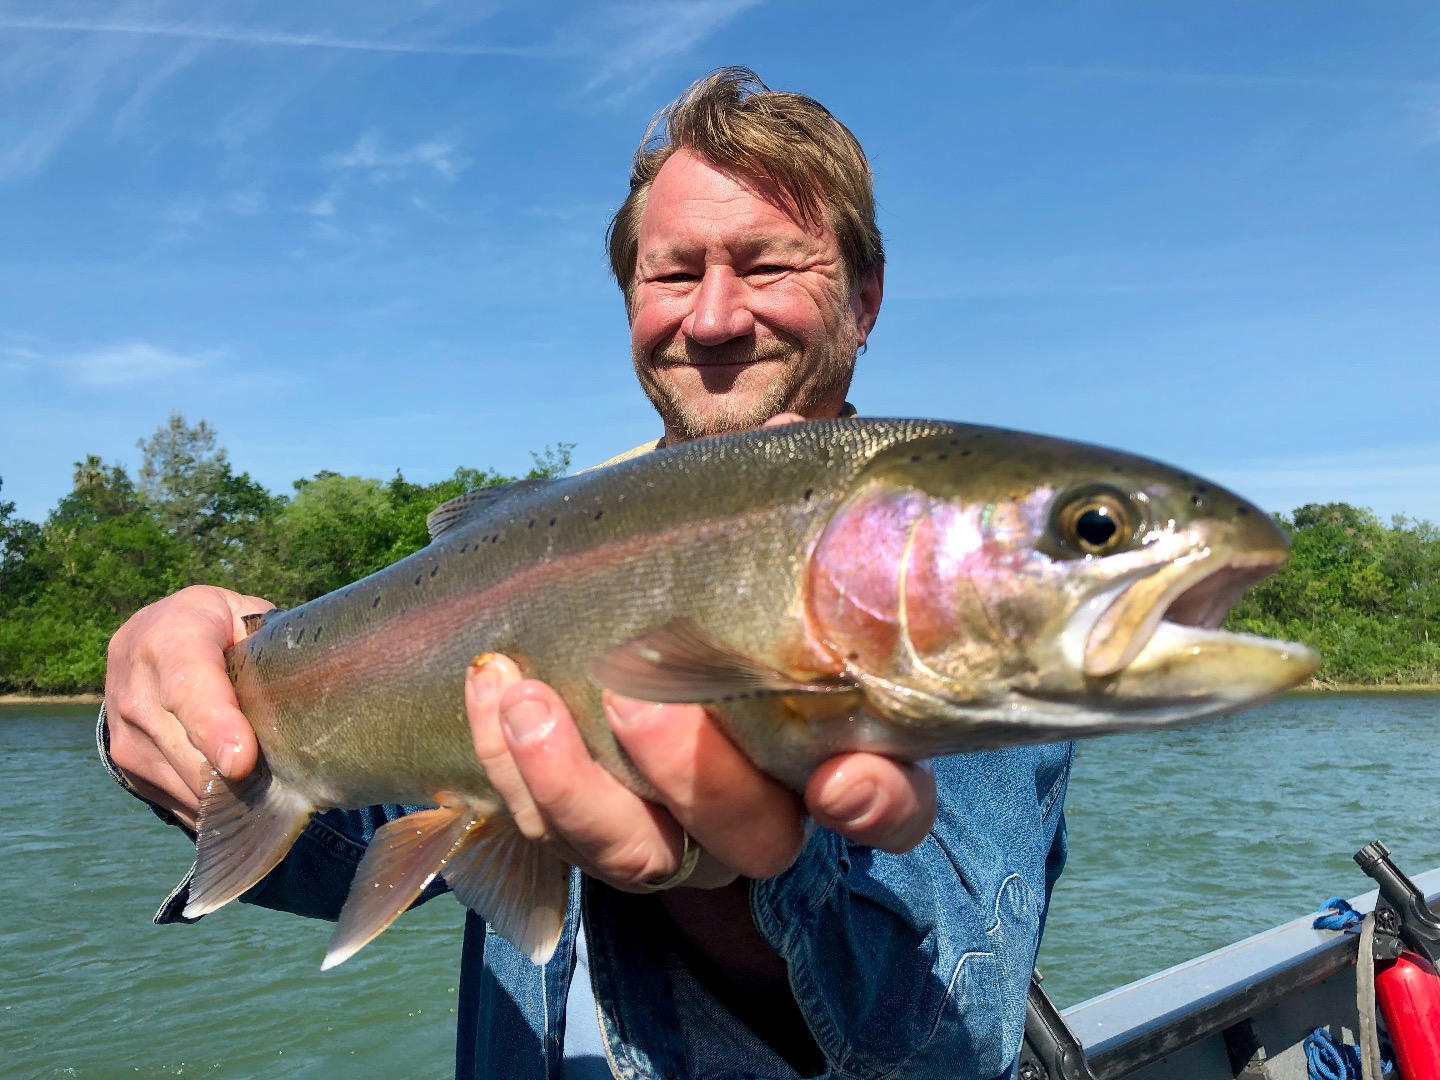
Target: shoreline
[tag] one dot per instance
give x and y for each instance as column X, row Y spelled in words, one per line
column 1331, row 688
column 51, row 699
column 1367, row 688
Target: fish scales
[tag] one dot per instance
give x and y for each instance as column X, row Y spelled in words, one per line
column 908, row 586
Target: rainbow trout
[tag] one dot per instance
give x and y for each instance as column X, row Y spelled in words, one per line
column 908, row 587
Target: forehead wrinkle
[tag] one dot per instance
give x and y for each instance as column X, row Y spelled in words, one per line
column 678, row 250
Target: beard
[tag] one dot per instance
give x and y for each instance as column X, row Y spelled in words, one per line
column 806, row 381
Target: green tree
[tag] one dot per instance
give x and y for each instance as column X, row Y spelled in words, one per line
column 1367, row 596
column 100, row 556
column 225, row 521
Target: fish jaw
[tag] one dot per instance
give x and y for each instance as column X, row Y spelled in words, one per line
column 967, row 628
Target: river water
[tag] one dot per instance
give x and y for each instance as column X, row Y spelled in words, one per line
column 1180, row 842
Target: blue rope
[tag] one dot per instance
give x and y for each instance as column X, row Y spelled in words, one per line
column 1331, row 1060
column 1337, row 914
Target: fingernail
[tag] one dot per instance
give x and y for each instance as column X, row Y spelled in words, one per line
column 626, row 713
column 856, row 803
column 485, row 679
column 527, row 721
column 225, row 759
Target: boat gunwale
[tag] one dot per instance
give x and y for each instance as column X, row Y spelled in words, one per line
column 1134, row 1025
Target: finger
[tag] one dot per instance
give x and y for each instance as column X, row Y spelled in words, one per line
column 744, row 818
column 781, row 419
column 193, row 687
column 873, row 800
column 489, row 676
column 617, row 836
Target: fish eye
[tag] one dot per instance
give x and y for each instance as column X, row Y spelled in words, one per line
column 1097, row 521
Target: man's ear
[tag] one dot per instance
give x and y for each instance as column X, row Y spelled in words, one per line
column 865, row 302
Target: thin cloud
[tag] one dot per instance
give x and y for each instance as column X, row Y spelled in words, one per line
column 367, row 156
column 261, row 37
column 325, row 205
column 642, row 37
column 128, row 365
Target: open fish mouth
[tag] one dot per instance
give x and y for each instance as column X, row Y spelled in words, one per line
column 1195, row 590
column 1158, row 637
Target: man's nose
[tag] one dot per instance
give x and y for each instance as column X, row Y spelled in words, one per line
column 721, row 309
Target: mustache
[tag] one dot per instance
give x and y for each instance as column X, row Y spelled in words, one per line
column 689, row 354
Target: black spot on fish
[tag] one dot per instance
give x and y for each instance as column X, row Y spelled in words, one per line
column 954, row 442
column 300, row 637
column 1201, row 488
column 808, row 493
column 553, row 520
column 259, row 653
column 966, row 453
column 532, row 523
column 301, row 614
column 418, row 577
column 980, row 436
column 853, row 656
column 599, row 514
column 728, row 697
column 464, row 548
column 434, row 569
column 1242, row 510
column 1196, row 499
column 1117, row 468
column 942, row 457
column 377, row 601
column 914, row 457
column 316, row 636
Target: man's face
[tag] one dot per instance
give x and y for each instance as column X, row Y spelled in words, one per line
column 740, row 309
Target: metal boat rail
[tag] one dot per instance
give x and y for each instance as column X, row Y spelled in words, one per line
column 1239, row 1011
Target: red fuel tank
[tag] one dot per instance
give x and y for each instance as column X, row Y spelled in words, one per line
column 1408, row 992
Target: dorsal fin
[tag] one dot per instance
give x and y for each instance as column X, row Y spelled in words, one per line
column 449, row 514
column 259, row 619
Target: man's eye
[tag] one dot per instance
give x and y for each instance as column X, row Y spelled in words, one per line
column 677, row 276
column 765, row 269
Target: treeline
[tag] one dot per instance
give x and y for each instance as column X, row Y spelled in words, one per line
column 117, row 543
column 1367, row 595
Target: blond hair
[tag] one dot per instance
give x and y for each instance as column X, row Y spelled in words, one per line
column 734, row 121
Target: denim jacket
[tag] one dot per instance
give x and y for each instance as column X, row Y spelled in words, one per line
column 904, row 966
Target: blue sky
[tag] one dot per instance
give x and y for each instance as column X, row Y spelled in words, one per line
column 365, row 236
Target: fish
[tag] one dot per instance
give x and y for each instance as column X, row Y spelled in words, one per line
column 907, row 587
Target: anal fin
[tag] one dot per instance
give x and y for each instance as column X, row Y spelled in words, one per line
column 244, row 830
column 403, row 857
column 512, row 883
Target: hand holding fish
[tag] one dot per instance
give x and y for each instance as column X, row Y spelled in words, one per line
column 170, row 706
column 746, row 823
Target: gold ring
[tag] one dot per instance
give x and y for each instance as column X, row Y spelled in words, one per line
column 689, row 856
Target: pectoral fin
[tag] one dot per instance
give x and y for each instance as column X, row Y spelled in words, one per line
column 513, row 884
column 244, row 829
column 404, row 856
column 680, row 662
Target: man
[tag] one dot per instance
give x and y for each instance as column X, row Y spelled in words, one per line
column 752, row 272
